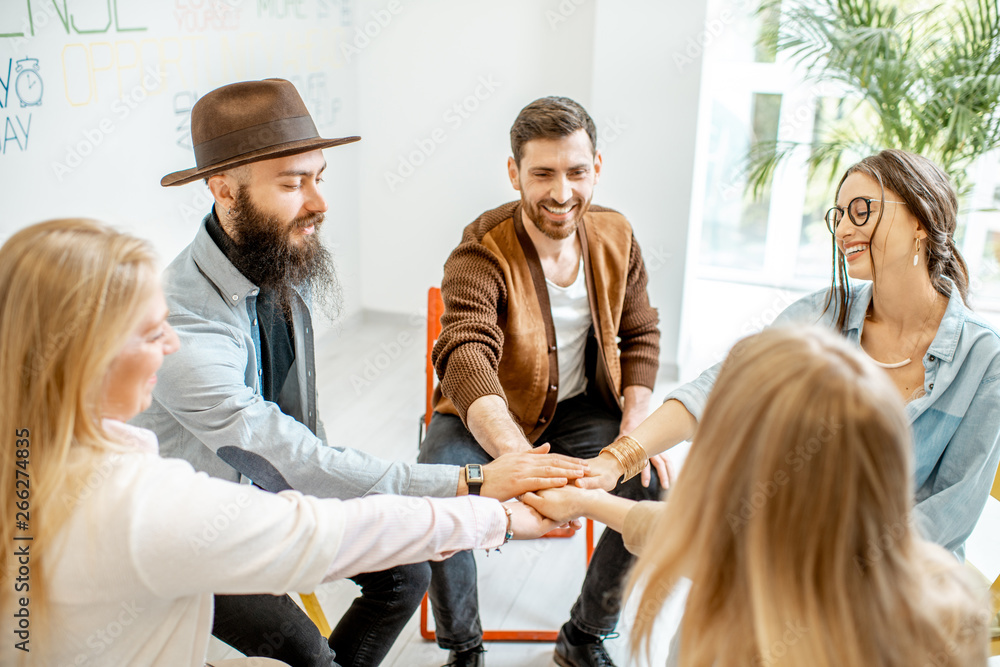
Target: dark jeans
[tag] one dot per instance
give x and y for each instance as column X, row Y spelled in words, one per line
column 273, row 626
column 582, row 426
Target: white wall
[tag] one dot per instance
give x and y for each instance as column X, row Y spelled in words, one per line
column 432, row 87
column 647, row 88
column 448, row 165
column 420, row 188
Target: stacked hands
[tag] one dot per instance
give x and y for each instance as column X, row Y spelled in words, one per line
column 554, row 490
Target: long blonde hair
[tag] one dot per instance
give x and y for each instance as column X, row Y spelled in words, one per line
column 71, row 292
column 792, row 517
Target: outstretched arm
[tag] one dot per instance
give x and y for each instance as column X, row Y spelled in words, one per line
column 219, row 536
column 204, row 395
column 669, row 425
column 634, row 413
column 571, row 502
column 490, row 423
column 634, row 520
column 516, row 467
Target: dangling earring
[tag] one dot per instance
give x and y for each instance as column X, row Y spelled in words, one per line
column 916, row 253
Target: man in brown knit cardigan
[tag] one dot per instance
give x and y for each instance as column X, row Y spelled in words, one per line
column 548, row 339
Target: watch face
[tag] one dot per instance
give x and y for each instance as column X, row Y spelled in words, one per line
column 474, row 473
column 29, row 87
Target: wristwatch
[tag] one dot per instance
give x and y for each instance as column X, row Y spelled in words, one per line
column 474, row 477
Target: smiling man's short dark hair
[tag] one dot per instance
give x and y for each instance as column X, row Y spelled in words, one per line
column 550, row 118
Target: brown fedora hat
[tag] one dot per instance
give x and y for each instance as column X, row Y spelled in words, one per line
column 246, row 122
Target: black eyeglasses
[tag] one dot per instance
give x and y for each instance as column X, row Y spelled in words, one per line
column 858, row 210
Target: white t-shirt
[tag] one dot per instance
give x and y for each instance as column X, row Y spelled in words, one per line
column 571, row 319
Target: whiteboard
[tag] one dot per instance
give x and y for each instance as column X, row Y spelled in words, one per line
column 96, row 95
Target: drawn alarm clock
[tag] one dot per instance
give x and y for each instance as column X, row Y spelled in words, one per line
column 28, row 84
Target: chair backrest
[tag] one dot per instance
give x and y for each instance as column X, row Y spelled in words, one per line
column 995, row 587
column 435, row 309
column 995, row 492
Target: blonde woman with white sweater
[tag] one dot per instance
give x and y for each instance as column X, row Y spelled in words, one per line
column 793, row 519
column 121, row 550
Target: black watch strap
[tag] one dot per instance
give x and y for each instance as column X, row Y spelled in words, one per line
column 474, row 478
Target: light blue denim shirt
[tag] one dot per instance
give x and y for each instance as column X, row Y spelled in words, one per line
column 207, row 406
column 956, row 423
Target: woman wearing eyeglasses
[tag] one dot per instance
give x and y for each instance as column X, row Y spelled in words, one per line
column 899, row 291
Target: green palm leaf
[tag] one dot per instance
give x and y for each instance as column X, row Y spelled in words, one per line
column 927, row 81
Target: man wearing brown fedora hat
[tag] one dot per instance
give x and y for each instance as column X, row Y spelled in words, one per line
column 239, row 399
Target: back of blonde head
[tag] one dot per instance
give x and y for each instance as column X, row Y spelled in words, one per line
column 792, row 517
column 71, row 292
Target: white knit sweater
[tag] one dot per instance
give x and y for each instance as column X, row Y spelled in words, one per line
column 150, row 541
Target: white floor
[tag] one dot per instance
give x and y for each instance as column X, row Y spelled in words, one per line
column 371, row 374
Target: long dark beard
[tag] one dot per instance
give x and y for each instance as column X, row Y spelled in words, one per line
column 269, row 259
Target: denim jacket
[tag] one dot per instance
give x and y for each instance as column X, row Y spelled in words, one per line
column 956, row 423
column 207, row 407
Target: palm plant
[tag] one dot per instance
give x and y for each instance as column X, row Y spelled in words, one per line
column 925, row 80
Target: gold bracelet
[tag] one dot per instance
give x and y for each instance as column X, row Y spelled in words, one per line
column 630, row 456
column 617, row 456
column 634, row 454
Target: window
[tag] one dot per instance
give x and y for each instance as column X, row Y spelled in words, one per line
column 779, row 238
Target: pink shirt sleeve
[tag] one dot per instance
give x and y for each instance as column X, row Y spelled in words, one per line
column 384, row 531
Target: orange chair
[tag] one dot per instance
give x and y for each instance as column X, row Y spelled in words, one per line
column 435, row 309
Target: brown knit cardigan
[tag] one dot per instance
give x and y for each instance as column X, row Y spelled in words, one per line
column 498, row 337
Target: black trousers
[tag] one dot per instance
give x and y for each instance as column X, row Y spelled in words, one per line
column 273, row 626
